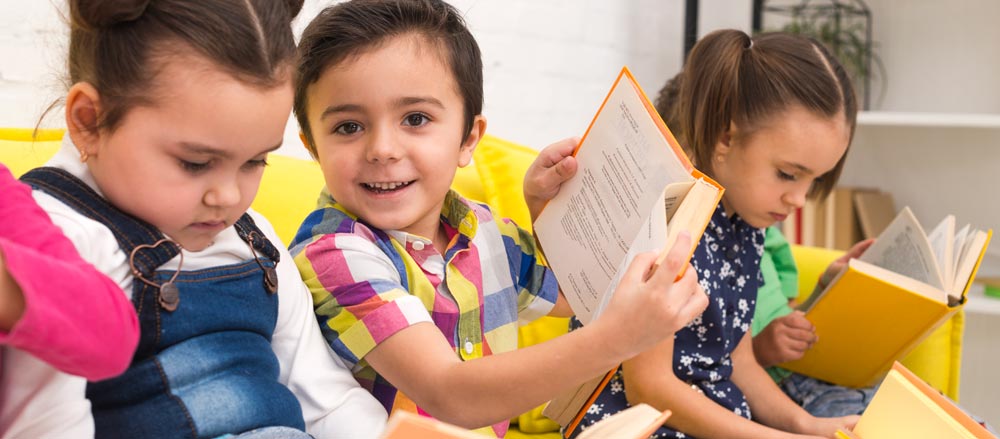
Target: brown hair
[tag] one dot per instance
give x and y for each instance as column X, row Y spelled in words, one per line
column 352, row 27
column 114, row 45
column 730, row 77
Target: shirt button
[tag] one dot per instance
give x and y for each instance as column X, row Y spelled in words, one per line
column 469, row 347
column 731, row 253
column 418, row 245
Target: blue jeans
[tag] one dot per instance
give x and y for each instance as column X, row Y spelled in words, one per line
column 826, row 400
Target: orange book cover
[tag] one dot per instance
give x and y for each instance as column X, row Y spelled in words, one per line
column 635, row 190
column 906, row 407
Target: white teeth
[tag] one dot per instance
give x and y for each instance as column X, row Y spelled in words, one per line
column 386, row 186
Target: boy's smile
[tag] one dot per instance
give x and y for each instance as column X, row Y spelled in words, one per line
column 388, row 127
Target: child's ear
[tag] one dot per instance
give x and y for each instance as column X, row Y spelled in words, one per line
column 725, row 144
column 469, row 145
column 83, row 111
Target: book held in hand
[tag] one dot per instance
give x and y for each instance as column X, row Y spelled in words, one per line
column 635, row 191
column 906, row 407
column 886, row 302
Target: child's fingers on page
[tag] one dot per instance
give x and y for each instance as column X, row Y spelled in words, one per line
column 858, row 249
column 554, row 153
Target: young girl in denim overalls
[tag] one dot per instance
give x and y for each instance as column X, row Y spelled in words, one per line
column 174, row 108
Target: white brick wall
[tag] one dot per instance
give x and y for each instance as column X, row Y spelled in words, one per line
column 547, row 63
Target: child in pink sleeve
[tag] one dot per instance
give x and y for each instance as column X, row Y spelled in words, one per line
column 53, row 304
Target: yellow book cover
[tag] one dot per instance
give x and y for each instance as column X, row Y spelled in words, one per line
column 906, row 407
column 888, row 301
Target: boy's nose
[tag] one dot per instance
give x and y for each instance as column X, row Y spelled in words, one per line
column 382, row 147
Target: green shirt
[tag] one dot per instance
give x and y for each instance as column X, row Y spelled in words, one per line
column 781, row 284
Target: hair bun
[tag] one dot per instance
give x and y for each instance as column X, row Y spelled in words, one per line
column 96, row 14
column 294, row 7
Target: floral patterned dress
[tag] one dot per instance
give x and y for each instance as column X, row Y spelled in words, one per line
column 727, row 261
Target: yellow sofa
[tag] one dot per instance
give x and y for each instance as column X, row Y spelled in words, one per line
column 290, row 187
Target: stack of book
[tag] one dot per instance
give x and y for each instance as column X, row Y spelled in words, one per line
column 846, row 216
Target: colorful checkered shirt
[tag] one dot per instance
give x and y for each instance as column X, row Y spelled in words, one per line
column 367, row 284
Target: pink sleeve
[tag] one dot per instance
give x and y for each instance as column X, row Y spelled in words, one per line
column 75, row 318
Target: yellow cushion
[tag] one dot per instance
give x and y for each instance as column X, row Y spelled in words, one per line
column 20, row 153
column 288, row 192
column 500, row 167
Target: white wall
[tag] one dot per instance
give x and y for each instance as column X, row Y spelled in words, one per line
column 940, row 56
column 548, row 64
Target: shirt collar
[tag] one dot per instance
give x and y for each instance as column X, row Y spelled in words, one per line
column 455, row 212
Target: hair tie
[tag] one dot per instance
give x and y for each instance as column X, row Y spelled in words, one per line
column 750, row 46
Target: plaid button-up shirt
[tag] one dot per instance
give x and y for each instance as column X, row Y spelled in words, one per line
column 368, row 284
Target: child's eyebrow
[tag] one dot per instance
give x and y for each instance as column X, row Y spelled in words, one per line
column 198, row 148
column 800, row 167
column 410, row 100
column 343, row 108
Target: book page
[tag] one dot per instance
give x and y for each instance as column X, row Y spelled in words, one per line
column 636, row 422
column 586, row 231
column 971, row 256
column 651, row 238
column 903, row 248
column 959, row 244
column 942, row 243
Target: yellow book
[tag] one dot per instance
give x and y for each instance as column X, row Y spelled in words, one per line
column 906, row 407
column 885, row 303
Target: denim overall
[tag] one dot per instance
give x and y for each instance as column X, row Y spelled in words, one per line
column 204, row 366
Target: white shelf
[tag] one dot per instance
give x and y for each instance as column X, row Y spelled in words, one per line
column 979, row 303
column 935, row 120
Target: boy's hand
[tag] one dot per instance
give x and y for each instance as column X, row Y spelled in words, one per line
column 838, row 265
column 555, row 164
column 786, row 338
column 644, row 311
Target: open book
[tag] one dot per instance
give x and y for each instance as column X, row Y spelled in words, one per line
column 637, row 422
column 635, row 190
column 906, row 407
column 883, row 304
